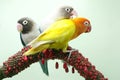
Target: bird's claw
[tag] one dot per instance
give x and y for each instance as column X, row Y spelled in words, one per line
column 70, row 52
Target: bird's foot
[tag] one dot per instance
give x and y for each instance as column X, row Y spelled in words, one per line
column 70, row 52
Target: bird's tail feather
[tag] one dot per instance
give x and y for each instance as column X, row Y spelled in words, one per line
column 44, row 67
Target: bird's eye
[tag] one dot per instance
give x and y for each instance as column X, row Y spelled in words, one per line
column 67, row 9
column 86, row 23
column 25, row 22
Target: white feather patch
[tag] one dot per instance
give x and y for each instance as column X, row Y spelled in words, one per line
column 37, row 44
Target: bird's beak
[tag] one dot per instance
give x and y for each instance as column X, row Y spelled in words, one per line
column 19, row 27
column 88, row 29
column 74, row 14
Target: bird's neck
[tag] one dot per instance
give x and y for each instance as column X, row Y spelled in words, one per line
column 79, row 29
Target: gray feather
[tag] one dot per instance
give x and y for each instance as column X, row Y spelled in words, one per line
column 29, row 33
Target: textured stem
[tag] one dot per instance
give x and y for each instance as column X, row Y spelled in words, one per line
column 18, row 63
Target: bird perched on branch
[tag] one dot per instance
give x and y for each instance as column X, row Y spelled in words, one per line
column 59, row 34
column 29, row 30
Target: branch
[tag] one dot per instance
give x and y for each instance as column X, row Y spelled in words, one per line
column 18, row 63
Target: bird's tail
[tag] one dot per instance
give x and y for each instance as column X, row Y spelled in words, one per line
column 44, row 67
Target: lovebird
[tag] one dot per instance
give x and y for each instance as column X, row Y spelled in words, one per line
column 61, row 12
column 29, row 30
column 59, row 34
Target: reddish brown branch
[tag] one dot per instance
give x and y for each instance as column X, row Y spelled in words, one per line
column 18, row 63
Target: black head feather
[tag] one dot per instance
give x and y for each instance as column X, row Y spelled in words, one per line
column 27, row 24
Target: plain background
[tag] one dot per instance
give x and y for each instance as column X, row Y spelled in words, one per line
column 101, row 45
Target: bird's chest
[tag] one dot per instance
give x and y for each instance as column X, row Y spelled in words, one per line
column 27, row 38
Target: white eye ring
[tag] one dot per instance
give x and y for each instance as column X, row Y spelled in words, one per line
column 67, row 9
column 25, row 22
column 86, row 23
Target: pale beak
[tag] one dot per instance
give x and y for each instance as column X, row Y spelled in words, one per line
column 74, row 14
column 19, row 27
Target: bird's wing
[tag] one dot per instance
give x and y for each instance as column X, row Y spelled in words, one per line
column 35, row 45
column 60, row 31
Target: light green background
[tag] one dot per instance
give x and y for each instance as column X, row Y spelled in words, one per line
column 101, row 46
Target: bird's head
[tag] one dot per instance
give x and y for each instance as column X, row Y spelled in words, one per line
column 67, row 12
column 82, row 25
column 24, row 25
